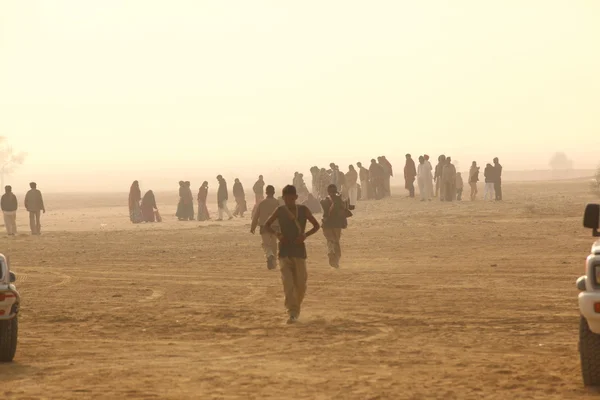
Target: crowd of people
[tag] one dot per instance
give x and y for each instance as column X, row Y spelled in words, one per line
column 357, row 183
column 449, row 183
column 34, row 205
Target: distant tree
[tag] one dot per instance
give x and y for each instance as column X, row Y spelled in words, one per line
column 560, row 162
column 9, row 159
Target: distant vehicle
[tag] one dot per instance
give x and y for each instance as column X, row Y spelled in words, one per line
column 9, row 310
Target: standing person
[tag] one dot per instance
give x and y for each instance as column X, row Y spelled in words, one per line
column 265, row 209
column 449, row 180
column 429, row 178
column 334, row 220
column 302, row 188
column 498, row 179
column 363, row 175
column 473, row 179
column 9, row 209
column 292, row 249
column 203, row 214
column 410, row 173
column 376, row 176
column 188, row 202
column 390, row 171
column 34, row 203
column 489, row 175
column 180, row 214
column 437, row 177
column 422, row 178
column 342, row 185
column 222, row 197
column 258, row 190
column 314, row 172
column 149, row 207
column 334, row 175
column 352, row 184
column 323, row 183
column 387, row 176
column 240, row 199
column 135, row 196
column 459, row 186
column 296, row 180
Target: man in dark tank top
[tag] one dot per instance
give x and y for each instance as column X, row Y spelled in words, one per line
column 291, row 219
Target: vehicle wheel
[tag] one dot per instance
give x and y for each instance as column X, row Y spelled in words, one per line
column 589, row 352
column 8, row 339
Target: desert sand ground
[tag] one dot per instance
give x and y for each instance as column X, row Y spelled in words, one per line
column 433, row 300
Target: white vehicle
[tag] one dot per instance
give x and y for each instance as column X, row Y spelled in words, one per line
column 9, row 310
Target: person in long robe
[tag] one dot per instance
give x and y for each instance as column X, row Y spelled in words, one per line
column 203, row 214
column 352, row 185
column 323, row 183
column 363, row 174
column 422, row 179
column 188, row 201
column 259, row 196
column 295, row 180
column 389, row 165
column 449, row 180
column 437, row 177
column 387, row 176
column 314, row 172
column 240, row 199
column 488, row 173
column 376, row 180
column 473, row 179
column 148, row 207
column 410, row 174
column 342, row 185
column 497, row 179
column 180, row 214
column 259, row 190
column 429, row 179
column 222, row 198
column 334, row 175
column 135, row 196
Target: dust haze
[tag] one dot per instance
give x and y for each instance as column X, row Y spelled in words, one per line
column 101, row 94
column 417, row 294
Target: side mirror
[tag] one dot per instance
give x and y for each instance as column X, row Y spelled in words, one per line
column 13, row 277
column 591, row 218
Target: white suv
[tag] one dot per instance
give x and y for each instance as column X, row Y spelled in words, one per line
column 9, row 310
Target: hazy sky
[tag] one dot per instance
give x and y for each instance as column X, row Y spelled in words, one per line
column 121, row 87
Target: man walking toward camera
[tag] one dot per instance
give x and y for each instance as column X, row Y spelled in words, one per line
column 292, row 250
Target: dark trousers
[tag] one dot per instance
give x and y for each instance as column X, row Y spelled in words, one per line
column 449, row 191
column 379, row 190
column 498, row 190
column 34, row 222
column 410, row 186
